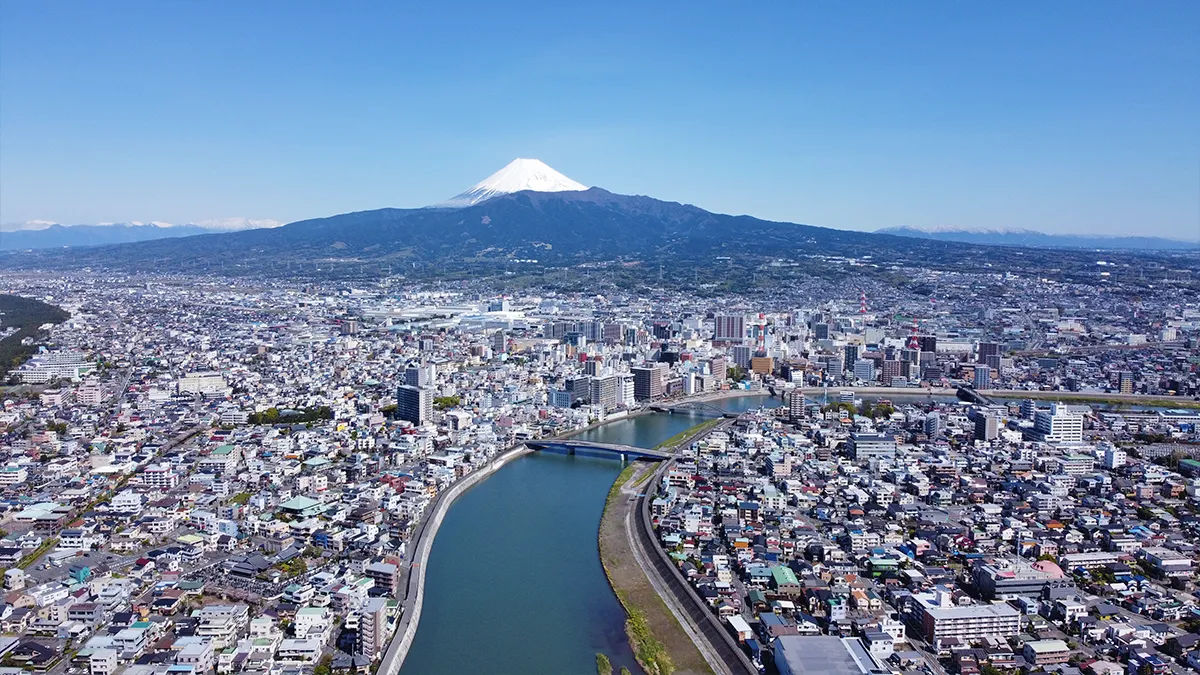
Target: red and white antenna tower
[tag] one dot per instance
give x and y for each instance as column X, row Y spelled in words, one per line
column 862, row 303
column 913, row 341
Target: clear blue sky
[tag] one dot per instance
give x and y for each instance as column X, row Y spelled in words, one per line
column 1061, row 116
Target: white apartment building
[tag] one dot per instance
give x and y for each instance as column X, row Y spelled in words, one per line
column 940, row 618
column 1058, row 425
column 222, row 623
column 204, row 382
column 13, row 475
column 159, row 476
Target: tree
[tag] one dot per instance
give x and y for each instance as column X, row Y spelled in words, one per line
column 324, row 666
column 735, row 373
column 848, row 407
column 444, row 402
column 603, row 665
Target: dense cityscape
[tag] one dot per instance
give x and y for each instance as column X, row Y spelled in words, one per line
column 236, row 475
column 861, row 338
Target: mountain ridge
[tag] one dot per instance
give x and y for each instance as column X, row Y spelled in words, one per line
column 569, row 236
column 547, row 229
column 57, row 235
column 1033, row 238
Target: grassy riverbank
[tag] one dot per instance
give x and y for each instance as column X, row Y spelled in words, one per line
column 659, row 643
column 688, row 433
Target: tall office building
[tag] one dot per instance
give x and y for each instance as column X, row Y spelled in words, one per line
column 718, row 369
column 795, row 404
column 987, row 349
column 1125, row 381
column 647, row 383
column 612, row 333
column 864, row 369
column 372, row 628
column 1028, row 408
column 580, row 388
column 851, row 353
column 606, row 391
column 993, row 361
column 982, row 378
column 591, row 367
column 420, row 375
column 414, row 404
column 933, row 424
column 987, row 427
column 742, row 355
column 762, row 364
column 890, row 369
column 499, row 342
column 730, row 327
column 593, row 331
column 557, row 330
column 929, row 343
column 821, row 331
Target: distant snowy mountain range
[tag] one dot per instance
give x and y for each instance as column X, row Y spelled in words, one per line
column 1035, row 239
column 39, row 234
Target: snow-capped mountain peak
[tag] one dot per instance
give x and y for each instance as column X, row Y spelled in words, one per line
column 520, row 174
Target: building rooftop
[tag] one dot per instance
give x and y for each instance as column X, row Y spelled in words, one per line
column 825, row 655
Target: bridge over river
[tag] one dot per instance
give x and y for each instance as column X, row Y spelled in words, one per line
column 587, row 448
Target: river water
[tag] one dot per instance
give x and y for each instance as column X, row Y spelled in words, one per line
column 514, row 583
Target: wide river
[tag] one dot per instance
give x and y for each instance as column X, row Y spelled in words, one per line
column 514, row 583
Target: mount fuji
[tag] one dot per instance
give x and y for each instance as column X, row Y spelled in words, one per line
column 518, row 175
column 529, row 217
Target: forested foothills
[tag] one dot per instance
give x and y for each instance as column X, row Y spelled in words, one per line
column 25, row 315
